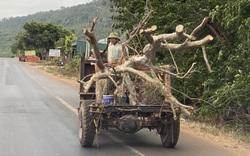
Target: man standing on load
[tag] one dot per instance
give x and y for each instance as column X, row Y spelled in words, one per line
column 116, row 54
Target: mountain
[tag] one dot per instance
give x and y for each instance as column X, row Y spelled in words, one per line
column 72, row 18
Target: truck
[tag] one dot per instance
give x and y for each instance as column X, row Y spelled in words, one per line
column 123, row 116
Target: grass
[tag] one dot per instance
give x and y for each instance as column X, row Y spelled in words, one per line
column 60, row 71
column 222, row 130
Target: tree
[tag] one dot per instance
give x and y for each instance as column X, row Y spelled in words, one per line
column 230, row 103
column 68, row 43
column 40, row 35
column 19, row 45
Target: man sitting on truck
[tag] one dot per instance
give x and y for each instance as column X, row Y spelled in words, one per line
column 116, row 54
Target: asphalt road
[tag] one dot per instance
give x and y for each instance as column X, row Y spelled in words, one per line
column 38, row 118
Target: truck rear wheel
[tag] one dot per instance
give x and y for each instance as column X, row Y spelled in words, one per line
column 86, row 126
column 170, row 133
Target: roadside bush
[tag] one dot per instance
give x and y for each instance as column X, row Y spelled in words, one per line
column 73, row 67
column 230, row 105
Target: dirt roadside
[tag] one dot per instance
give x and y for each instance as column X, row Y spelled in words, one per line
column 196, row 129
column 219, row 138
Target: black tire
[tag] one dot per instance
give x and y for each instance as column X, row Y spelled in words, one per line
column 170, row 133
column 86, row 126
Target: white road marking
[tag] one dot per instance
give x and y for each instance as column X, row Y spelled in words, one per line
column 133, row 150
column 67, row 105
column 35, row 80
column 126, row 146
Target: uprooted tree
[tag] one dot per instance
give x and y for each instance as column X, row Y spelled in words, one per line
column 141, row 84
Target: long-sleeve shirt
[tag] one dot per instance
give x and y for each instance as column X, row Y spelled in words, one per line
column 115, row 52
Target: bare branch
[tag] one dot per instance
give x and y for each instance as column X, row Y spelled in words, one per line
column 96, row 77
column 90, row 37
column 175, row 64
column 203, row 23
column 205, row 58
column 93, row 24
column 186, row 45
column 137, row 29
column 148, row 33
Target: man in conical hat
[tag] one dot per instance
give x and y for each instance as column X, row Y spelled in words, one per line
column 116, row 52
column 116, row 55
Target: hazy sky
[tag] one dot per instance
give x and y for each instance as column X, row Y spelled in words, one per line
column 14, row 8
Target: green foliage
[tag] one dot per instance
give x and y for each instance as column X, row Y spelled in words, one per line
column 230, row 103
column 20, row 44
column 224, row 92
column 235, row 14
column 68, row 43
column 74, row 64
column 60, row 43
column 5, row 54
column 39, row 35
column 167, row 15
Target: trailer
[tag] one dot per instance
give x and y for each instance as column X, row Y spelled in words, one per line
column 123, row 116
